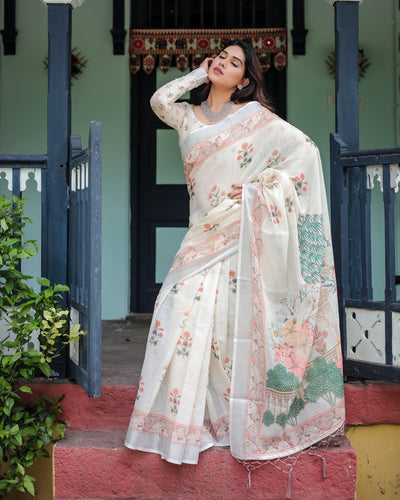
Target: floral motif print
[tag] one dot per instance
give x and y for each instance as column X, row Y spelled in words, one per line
column 140, row 388
column 272, row 182
column 292, row 360
column 300, row 184
column 184, row 344
column 215, row 348
column 216, row 196
column 156, row 334
column 175, row 399
column 232, row 281
column 227, row 394
column 274, row 159
column 293, row 352
column 210, row 227
column 319, row 340
column 200, row 290
column 244, row 154
column 228, row 367
column 274, row 214
column 289, row 204
column 177, row 287
column 191, row 182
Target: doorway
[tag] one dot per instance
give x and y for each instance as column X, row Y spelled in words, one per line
column 159, row 198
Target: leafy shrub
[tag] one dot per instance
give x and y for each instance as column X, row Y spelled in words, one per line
column 26, row 427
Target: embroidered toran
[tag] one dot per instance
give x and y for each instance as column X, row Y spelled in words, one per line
column 187, row 48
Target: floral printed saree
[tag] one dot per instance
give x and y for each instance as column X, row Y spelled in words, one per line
column 244, row 346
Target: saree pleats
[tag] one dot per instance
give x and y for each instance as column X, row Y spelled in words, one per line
column 186, row 408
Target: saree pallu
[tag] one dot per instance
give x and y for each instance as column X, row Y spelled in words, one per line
column 244, row 345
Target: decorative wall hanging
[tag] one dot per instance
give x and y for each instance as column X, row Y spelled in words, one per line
column 78, row 62
column 363, row 64
column 188, row 48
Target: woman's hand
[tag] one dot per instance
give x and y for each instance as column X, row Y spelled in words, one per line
column 236, row 193
column 206, row 64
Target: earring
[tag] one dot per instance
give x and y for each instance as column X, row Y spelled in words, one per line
column 240, row 87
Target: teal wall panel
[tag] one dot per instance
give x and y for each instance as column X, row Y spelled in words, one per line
column 102, row 94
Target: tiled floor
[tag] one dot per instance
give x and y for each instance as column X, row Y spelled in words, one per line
column 124, row 343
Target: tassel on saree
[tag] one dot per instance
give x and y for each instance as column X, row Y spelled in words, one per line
column 289, row 486
column 324, row 471
column 249, row 480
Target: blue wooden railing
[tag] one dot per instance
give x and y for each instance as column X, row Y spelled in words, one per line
column 84, row 258
column 370, row 328
column 17, row 164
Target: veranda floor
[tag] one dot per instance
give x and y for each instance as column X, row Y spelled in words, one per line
column 123, row 347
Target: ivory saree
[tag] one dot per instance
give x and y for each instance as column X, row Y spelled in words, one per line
column 244, row 347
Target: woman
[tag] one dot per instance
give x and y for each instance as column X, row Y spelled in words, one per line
column 243, row 349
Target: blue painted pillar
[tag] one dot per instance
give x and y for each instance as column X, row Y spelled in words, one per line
column 359, row 283
column 347, row 126
column 346, row 50
column 55, row 218
column 352, row 243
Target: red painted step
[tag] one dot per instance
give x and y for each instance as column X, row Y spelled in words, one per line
column 96, row 465
column 365, row 404
column 111, row 410
column 92, row 463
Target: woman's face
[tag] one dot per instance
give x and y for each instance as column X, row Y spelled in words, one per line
column 227, row 69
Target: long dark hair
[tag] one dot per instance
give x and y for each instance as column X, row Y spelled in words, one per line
column 254, row 91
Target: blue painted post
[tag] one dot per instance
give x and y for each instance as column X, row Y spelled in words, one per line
column 54, row 260
column 347, row 127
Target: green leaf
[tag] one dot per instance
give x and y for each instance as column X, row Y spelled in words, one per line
column 47, row 400
column 14, row 429
column 8, row 286
column 25, row 388
column 3, row 224
column 29, row 485
column 43, row 281
column 27, row 431
column 45, row 369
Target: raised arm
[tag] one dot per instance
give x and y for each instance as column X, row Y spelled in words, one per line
column 163, row 101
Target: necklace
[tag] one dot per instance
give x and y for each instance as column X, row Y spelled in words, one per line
column 219, row 115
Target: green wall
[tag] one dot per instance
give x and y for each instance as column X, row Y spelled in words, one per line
column 310, row 85
column 102, row 94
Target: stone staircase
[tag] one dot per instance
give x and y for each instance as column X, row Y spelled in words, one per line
column 92, row 463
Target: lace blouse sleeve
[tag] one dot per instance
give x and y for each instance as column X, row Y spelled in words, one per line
column 163, row 101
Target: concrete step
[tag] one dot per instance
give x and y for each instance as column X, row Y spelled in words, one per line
column 365, row 404
column 96, row 465
column 111, row 411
